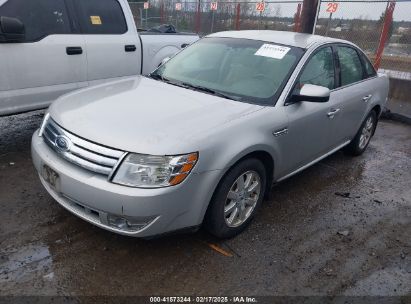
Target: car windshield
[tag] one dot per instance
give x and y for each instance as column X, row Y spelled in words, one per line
column 239, row 69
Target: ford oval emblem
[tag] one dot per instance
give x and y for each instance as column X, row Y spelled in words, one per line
column 63, row 143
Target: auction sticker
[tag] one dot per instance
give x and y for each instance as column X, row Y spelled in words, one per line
column 96, row 20
column 272, row 51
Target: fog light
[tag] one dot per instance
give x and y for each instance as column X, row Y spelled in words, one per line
column 118, row 222
column 128, row 224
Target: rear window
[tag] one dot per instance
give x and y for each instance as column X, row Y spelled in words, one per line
column 369, row 69
column 350, row 65
column 101, row 17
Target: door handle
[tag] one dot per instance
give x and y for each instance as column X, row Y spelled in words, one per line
column 280, row 132
column 184, row 45
column 366, row 98
column 130, row 48
column 74, row 50
column 332, row 113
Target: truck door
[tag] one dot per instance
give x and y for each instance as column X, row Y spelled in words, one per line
column 112, row 42
column 49, row 62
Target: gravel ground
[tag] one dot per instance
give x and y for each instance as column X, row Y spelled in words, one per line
column 341, row 227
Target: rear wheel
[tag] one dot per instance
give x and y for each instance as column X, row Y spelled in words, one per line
column 236, row 199
column 361, row 140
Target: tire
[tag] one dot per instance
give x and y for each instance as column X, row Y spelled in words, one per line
column 231, row 196
column 361, row 140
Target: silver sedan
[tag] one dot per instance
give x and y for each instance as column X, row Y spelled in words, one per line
column 202, row 139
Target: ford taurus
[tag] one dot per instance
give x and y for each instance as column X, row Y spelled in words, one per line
column 202, row 139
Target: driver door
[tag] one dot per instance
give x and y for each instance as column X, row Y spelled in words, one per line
column 310, row 123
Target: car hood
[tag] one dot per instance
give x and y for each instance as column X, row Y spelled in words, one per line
column 145, row 116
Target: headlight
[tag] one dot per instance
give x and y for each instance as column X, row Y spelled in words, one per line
column 43, row 123
column 148, row 171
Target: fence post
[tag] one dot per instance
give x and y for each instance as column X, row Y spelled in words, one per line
column 212, row 21
column 198, row 17
column 389, row 11
column 162, row 12
column 308, row 16
column 237, row 17
column 146, row 18
column 330, row 17
column 297, row 19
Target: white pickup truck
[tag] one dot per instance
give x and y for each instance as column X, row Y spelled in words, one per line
column 51, row 47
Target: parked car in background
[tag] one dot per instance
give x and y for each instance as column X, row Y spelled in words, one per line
column 51, row 47
column 203, row 138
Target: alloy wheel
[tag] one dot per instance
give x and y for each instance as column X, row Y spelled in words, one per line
column 242, row 198
column 366, row 132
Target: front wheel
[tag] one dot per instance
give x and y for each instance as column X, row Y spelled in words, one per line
column 361, row 140
column 236, row 199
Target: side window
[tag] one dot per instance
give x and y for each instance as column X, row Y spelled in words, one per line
column 319, row 70
column 40, row 18
column 369, row 69
column 350, row 65
column 101, row 17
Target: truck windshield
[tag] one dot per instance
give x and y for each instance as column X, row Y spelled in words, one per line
column 239, row 69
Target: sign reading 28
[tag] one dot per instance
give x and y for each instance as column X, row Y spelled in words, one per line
column 260, row 7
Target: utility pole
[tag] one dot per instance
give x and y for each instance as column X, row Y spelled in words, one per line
column 309, row 16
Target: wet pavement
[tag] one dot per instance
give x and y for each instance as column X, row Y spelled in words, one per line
column 341, row 227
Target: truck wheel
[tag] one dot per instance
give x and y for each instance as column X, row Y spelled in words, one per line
column 361, row 140
column 236, row 199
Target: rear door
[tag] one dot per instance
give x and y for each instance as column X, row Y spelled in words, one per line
column 36, row 71
column 112, row 43
column 352, row 94
column 309, row 122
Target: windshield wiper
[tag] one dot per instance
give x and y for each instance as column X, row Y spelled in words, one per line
column 166, row 80
column 157, row 77
column 209, row 91
column 192, row 86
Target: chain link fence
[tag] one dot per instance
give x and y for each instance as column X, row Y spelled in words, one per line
column 205, row 16
column 381, row 28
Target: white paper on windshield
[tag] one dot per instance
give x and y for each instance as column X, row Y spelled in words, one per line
column 272, row 51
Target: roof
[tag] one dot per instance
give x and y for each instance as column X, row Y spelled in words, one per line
column 286, row 38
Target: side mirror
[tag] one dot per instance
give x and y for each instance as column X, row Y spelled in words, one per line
column 312, row 93
column 11, row 30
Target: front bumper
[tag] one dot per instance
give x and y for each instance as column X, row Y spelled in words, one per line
column 93, row 198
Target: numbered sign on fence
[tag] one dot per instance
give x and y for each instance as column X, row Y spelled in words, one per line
column 332, row 7
column 178, row 6
column 260, row 7
column 213, row 6
column 146, row 5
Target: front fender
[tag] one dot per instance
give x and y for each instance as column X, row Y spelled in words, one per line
column 253, row 133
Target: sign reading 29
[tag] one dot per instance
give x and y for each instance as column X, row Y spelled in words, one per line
column 332, row 7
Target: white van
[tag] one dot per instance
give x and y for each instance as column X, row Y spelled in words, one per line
column 51, row 47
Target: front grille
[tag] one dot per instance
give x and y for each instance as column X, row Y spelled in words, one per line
column 85, row 154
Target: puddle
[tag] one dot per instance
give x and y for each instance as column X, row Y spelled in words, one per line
column 22, row 264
